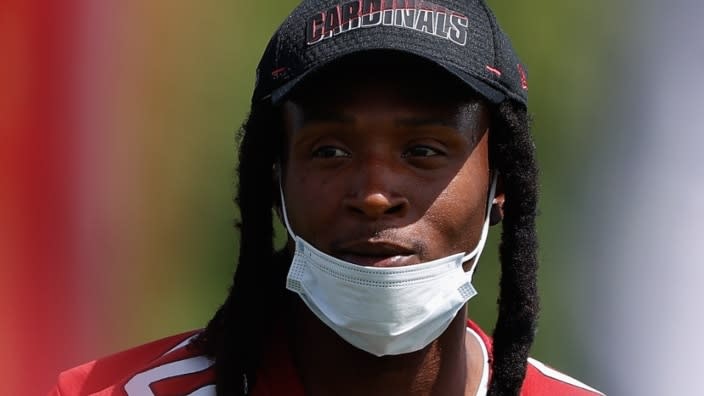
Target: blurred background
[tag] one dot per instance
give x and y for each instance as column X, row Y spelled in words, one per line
column 117, row 157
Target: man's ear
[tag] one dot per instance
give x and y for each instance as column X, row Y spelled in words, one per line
column 497, row 206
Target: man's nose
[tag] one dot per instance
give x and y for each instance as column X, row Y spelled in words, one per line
column 377, row 192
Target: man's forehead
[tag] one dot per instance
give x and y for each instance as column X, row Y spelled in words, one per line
column 401, row 113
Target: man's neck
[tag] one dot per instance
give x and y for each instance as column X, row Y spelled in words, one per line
column 328, row 365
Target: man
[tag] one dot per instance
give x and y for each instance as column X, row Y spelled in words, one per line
column 387, row 136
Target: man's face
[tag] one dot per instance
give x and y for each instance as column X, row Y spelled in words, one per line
column 390, row 171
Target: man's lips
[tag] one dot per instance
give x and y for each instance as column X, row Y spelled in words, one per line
column 376, row 254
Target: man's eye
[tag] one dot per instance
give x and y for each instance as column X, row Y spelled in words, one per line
column 329, row 152
column 421, row 151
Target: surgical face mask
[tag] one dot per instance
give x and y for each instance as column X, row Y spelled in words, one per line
column 384, row 311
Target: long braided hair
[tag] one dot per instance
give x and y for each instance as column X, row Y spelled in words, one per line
column 236, row 336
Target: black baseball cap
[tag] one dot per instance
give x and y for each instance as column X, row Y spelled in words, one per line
column 461, row 36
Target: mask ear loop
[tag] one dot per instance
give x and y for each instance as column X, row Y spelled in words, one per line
column 485, row 228
column 283, row 207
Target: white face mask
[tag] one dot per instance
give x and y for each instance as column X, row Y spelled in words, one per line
column 384, row 311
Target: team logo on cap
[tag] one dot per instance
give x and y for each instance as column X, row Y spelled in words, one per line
column 422, row 16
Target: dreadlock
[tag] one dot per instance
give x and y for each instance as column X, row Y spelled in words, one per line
column 513, row 153
column 236, row 336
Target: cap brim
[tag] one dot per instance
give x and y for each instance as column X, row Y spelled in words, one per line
column 490, row 93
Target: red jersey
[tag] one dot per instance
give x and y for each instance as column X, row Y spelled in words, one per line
column 171, row 366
